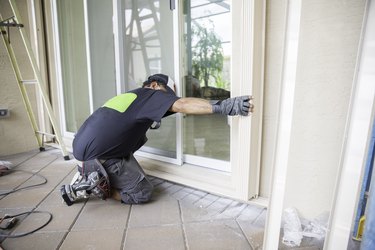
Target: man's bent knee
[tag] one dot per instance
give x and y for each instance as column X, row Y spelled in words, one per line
column 142, row 193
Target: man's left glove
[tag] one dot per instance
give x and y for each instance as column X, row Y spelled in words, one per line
column 239, row 105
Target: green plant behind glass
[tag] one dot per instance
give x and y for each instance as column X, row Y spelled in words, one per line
column 207, row 55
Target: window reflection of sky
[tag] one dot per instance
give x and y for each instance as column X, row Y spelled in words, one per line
column 219, row 13
column 201, row 11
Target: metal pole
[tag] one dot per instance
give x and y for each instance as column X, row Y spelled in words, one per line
column 366, row 182
column 368, row 241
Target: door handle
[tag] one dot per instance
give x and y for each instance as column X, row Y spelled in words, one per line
column 172, row 5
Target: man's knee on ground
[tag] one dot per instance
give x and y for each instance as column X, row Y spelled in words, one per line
column 142, row 193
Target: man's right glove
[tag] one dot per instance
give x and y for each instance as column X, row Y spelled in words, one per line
column 239, row 105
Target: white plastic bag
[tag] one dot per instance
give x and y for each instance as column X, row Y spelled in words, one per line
column 292, row 228
column 317, row 228
column 295, row 228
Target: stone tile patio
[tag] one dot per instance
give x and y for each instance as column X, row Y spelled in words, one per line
column 178, row 217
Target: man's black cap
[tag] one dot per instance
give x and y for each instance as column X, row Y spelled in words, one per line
column 161, row 79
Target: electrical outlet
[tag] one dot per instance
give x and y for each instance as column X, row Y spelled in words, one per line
column 4, row 113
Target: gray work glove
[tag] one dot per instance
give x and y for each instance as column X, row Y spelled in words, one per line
column 239, row 105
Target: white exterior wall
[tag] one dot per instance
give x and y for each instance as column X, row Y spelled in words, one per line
column 328, row 45
column 330, row 32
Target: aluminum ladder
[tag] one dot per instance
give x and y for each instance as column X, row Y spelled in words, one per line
column 16, row 22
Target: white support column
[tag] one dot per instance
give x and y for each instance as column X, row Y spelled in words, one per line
column 356, row 146
column 88, row 53
column 281, row 158
column 119, row 35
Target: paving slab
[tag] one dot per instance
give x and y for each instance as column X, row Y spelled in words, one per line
column 24, row 198
column 166, row 237
column 93, row 240
column 155, row 213
column 215, row 235
column 99, row 217
column 40, row 241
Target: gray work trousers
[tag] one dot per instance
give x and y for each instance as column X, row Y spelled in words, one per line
column 127, row 176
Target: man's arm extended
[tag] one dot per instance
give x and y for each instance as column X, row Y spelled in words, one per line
column 232, row 106
column 191, row 105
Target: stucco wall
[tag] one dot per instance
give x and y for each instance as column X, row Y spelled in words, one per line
column 328, row 46
column 16, row 133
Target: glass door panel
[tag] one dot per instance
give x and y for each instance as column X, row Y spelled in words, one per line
column 207, row 74
column 99, row 30
column 71, row 26
column 87, row 57
column 88, row 66
column 149, row 50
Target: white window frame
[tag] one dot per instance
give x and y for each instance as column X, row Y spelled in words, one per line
column 67, row 136
column 88, row 55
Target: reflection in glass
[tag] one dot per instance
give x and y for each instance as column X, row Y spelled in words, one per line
column 149, row 50
column 207, row 75
column 102, row 55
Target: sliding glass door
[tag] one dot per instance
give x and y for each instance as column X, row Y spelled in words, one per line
column 189, row 40
column 203, row 43
column 149, row 49
column 207, row 74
